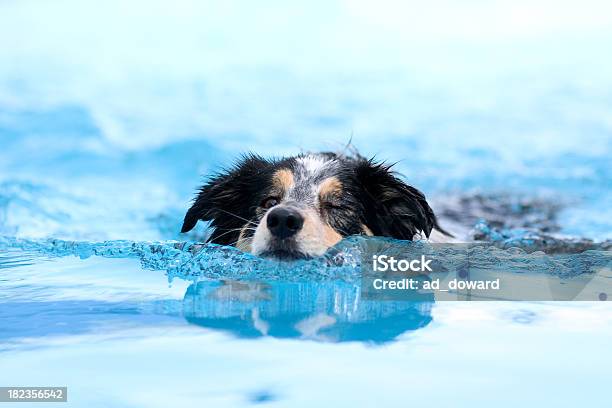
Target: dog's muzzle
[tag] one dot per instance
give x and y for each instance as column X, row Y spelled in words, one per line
column 284, row 222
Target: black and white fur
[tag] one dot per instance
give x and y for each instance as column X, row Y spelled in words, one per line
column 300, row 206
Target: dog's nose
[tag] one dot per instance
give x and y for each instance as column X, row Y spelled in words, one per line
column 284, row 222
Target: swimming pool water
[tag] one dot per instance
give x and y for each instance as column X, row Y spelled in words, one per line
column 105, row 134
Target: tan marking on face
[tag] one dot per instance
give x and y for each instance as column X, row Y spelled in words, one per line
column 330, row 236
column 331, row 186
column 309, row 230
column 282, row 180
column 244, row 243
column 317, row 235
column 366, row 230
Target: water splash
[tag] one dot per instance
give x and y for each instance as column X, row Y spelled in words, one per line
column 194, row 261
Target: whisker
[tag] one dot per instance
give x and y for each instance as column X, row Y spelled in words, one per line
column 235, row 215
column 234, row 230
column 240, row 239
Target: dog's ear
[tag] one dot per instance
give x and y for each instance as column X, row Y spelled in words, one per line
column 227, row 199
column 391, row 207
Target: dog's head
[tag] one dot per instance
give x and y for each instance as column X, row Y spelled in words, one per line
column 299, row 207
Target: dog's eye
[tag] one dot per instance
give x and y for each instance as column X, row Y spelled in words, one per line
column 270, row 202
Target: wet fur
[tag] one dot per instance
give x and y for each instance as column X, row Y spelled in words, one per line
column 362, row 197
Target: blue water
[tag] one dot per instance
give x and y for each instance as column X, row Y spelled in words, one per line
column 109, row 120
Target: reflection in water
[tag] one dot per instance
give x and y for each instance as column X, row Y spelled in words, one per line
column 325, row 311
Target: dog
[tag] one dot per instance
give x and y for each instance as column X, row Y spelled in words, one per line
column 299, row 207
